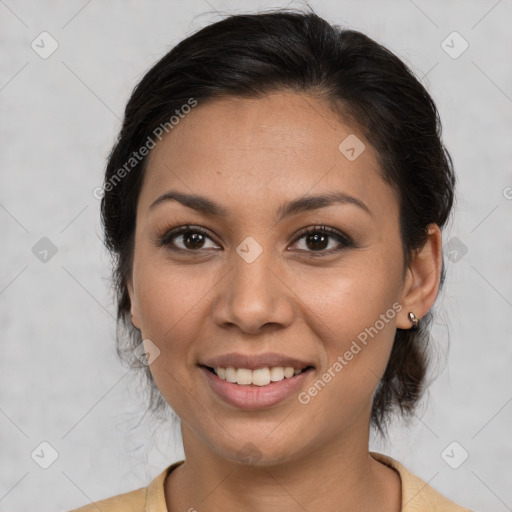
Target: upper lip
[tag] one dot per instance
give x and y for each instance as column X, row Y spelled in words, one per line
column 255, row 361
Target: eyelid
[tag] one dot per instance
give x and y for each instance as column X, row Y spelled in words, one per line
column 344, row 239
column 164, row 240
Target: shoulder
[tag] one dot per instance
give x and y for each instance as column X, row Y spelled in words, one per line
column 141, row 500
column 417, row 495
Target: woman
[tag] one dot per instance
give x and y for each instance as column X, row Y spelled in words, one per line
column 274, row 203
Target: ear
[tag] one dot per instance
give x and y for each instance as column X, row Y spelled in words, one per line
column 134, row 310
column 422, row 279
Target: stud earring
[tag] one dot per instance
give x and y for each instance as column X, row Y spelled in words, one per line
column 415, row 321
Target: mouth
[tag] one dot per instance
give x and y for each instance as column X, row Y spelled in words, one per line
column 258, row 377
column 256, row 389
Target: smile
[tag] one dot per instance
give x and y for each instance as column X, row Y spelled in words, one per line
column 254, row 392
column 258, row 377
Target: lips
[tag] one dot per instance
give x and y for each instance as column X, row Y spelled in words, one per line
column 255, row 361
column 251, row 397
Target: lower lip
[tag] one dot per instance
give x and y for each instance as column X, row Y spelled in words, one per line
column 255, row 397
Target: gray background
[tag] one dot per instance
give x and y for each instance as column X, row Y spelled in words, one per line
column 60, row 379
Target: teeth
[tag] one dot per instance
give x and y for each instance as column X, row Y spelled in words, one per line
column 289, row 372
column 259, row 377
column 276, row 373
column 243, row 376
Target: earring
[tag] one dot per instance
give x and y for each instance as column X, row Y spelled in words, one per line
column 415, row 321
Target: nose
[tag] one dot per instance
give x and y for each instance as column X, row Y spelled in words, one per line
column 253, row 296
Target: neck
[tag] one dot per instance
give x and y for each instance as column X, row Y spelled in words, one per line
column 338, row 475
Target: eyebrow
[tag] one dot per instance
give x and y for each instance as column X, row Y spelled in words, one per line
column 307, row 203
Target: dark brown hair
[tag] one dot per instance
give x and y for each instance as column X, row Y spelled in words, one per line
column 255, row 54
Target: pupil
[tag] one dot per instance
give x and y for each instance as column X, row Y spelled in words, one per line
column 318, row 238
column 197, row 239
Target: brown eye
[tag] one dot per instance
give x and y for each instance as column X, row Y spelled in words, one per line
column 193, row 240
column 317, row 241
column 186, row 238
column 319, row 238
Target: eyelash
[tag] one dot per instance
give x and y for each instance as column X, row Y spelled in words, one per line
column 166, row 239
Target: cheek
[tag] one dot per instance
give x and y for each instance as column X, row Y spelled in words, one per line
column 170, row 300
column 353, row 311
column 351, row 298
column 166, row 292
column 171, row 309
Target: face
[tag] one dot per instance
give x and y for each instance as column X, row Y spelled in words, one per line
column 249, row 278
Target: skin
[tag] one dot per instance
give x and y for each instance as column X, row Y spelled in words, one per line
column 251, row 156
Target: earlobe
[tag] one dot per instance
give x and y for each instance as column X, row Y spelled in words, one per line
column 422, row 279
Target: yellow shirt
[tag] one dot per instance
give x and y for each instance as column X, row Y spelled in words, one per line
column 417, row 496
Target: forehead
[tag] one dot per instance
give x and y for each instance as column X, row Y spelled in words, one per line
column 276, row 147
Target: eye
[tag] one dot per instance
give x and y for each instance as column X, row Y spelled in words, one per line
column 317, row 240
column 192, row 239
